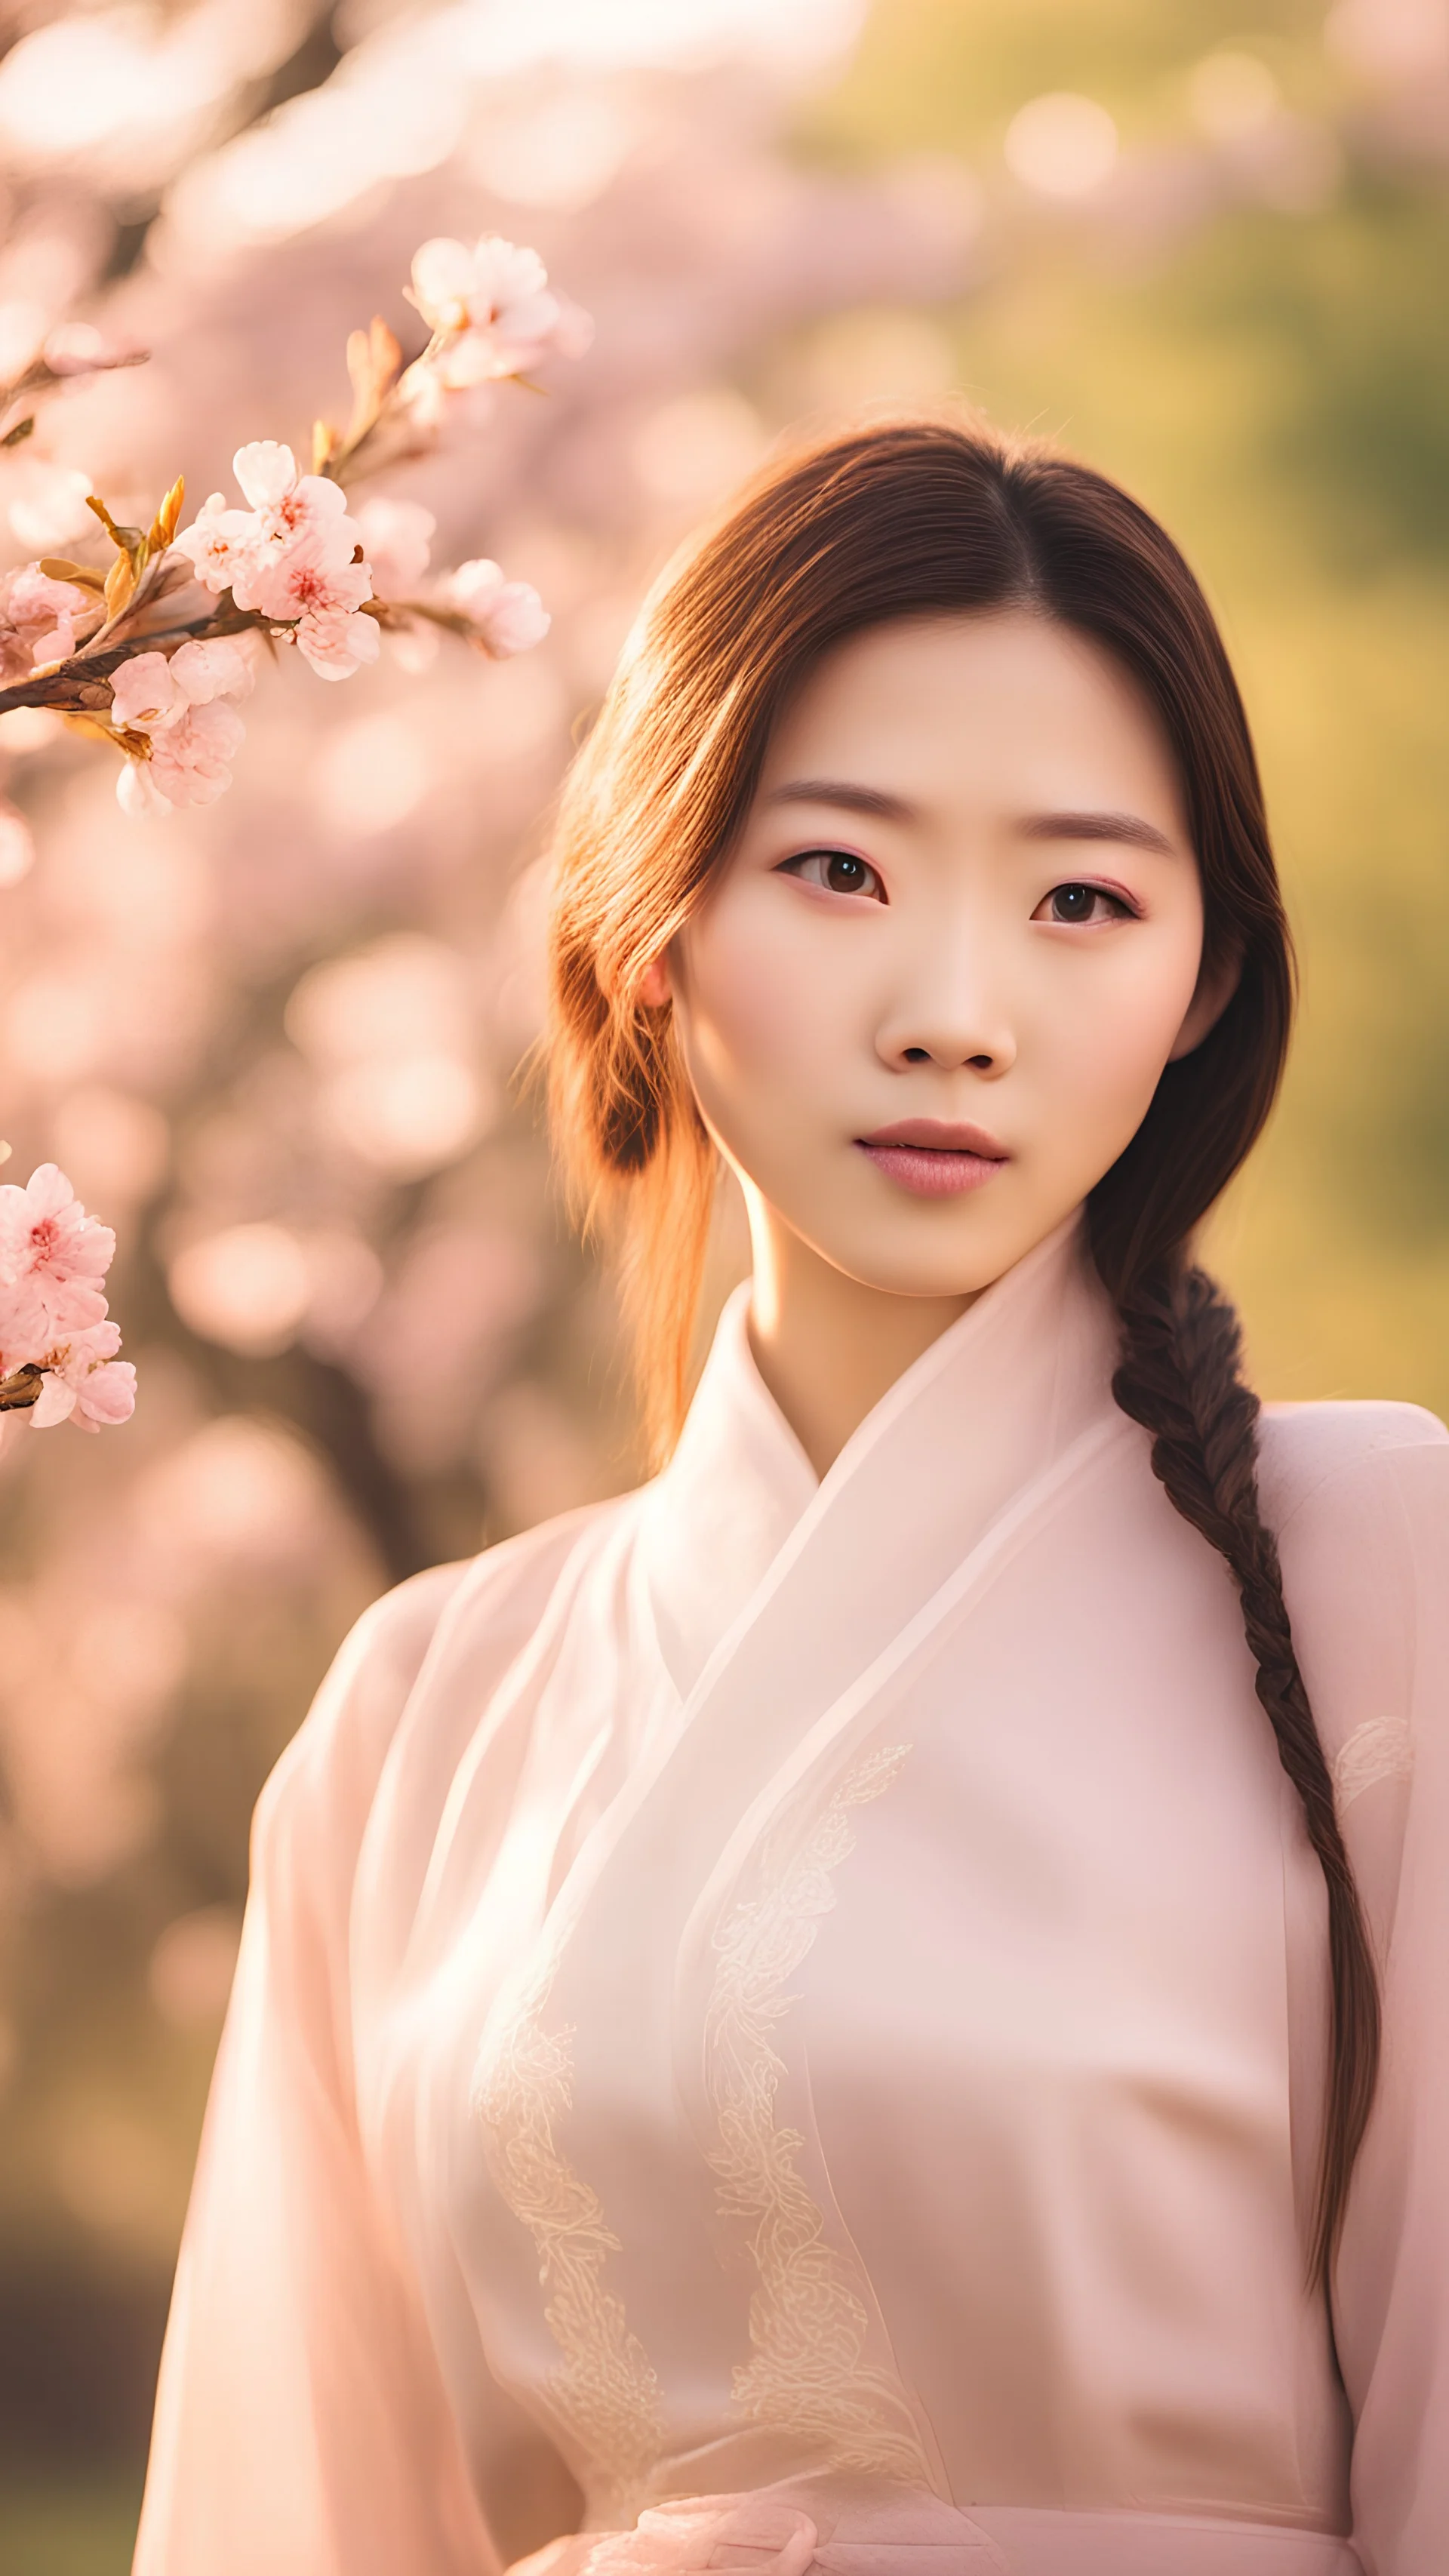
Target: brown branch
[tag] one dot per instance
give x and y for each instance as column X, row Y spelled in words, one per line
column 74, row 687
column 21, row 1389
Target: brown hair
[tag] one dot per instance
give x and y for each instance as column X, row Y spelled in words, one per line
column 918, row 518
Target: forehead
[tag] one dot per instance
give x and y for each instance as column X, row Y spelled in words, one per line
column 1004, row 706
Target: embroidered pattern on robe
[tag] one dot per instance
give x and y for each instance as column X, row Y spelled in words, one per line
column 605, row 2387
column 808, row 2323
column 1381, row 1749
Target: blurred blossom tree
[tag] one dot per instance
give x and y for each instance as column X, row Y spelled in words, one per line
column 274, row 1035
column 129, row 657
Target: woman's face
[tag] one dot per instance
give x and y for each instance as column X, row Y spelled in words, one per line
column 928, row 999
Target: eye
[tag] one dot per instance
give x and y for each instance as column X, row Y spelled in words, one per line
column 839, row 871
column 1076, row 904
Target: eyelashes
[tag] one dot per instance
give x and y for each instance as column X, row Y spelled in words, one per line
column 838, row 871
column 1074, row 904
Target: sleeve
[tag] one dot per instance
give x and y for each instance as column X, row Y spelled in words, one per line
column 302, row 2426
column 1366, row 1568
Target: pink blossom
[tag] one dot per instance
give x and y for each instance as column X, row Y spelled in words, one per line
column 508, row 616
column 299, row 564
column 144, row 694
column 218, row 542
column 39, row 619
column 396, row 536
column 52, row 1260
column 424, row 397
column 336, row 644
column 107, row 1394
column 234, row 549
column 215, row 668
column 45, row 1232
column 307, row 585
column 191, row 759
column 152, row 691
column 85, row 1383
column 288, row 506
column 266, row 471
column 492, row 306
column 496, row 284
column 194, row 734
column 137, row 792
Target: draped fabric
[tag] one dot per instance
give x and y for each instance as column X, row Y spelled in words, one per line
column 782, row 2026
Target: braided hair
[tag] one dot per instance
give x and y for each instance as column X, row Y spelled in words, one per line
column 921, row 517
column 1179, row 1376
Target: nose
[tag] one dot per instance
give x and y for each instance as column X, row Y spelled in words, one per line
column 951, row 1012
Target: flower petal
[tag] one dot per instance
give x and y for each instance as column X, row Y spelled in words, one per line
column 144, row 693
column 442, row 276
column 55, row 1403
column 266, row 472
column 217, row 668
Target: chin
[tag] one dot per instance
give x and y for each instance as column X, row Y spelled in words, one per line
column 906, row 1274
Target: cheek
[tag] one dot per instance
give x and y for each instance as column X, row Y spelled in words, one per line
column 1107, row 1040
column 755, row 1014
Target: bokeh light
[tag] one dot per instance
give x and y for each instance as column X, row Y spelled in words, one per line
column 1233, row 95
column 1062, row 145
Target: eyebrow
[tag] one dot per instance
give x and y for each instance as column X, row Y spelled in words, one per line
column 1130, row 828
column 841, row 791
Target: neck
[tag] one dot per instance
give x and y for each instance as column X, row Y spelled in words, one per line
column 827, row 1346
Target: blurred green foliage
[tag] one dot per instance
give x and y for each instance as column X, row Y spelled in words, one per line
column 948, row 75
column 84, row 2527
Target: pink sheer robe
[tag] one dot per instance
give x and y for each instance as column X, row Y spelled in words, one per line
column 782, row 2027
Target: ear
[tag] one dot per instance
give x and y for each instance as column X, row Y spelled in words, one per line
column 655, row 989
column 1216, row 986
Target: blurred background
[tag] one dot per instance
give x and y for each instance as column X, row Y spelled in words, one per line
column 1203, row 242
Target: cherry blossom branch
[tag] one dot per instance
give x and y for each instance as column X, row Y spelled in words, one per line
column 95, row 644
column 490, row 313
column 88, row 671
column 293, row 565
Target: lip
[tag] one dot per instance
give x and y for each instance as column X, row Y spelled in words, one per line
column 934, row 1158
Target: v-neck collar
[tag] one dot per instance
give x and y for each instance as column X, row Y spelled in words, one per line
column 1011, row 1378
column 721, row 1511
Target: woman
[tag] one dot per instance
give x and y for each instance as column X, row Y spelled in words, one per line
column 871, row 2006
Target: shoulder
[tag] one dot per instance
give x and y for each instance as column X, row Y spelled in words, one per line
column 484, row 1609
column 408, row 1688
column 1342, row 1463
column 1357, row 1496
